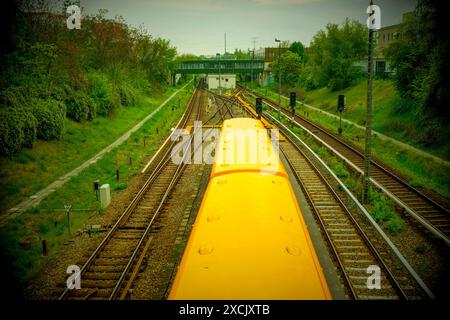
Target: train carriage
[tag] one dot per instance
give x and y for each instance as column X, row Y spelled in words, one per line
column 249, row 240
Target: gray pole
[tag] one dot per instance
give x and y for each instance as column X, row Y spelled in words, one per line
column 251, row 76
column 218, row 60
column 279, row 84
column 253, row 58
column 368, row 119
column 279, row 79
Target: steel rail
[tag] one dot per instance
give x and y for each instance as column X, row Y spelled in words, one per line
column 392, row 246
column 177, row 174
column 417, row 216
column 395, row 285
column 127, row 212
column 353, row 149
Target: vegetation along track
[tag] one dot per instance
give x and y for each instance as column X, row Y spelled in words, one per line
column 353, row 244
column 113, row 266
column 431, row 215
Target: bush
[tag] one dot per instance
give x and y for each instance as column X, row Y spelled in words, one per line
column 101, row 92
column 340, row 170
column 29, row 126
column 306, row 79
column 50, row 115
column 127, row 94
column 120, row 186
column 15, row 96
column 395, row 225
column 17, row 130
column 11, row 135
column 81, row 107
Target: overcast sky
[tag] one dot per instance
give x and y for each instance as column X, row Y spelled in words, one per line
column 198, row 26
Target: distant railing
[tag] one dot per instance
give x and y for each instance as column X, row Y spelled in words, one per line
column 222, row 66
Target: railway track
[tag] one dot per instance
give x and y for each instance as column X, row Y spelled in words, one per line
column 430, row 214
column 112, row 268
column 227, row 108
column 354, row 246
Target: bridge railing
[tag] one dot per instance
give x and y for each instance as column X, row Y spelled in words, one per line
column 222, row 66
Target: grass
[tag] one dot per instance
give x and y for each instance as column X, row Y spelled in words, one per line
column 381, row 208
column 21, row 238
column 420, row 170
column 33, row 169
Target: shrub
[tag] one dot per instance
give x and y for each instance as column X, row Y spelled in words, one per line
column 17, row 130
column 11, row 135
column 81, row 107
column 50, row 115
column 395, row 225
column 340, row 170
column 101, row 92
column 16, row 96
column 29, row 126
column 120, row 186
column 127, row 94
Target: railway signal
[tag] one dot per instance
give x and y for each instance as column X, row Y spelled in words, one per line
column 293, row 100
column 340, row 108
column 292, row 103
column 258, row 107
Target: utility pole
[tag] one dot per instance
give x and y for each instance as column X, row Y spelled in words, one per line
column 225, row 44
column 253, row 58
column 220, row 76
column 372, row 25
column 279, row 78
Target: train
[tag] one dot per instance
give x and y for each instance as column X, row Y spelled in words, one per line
column 249, row 240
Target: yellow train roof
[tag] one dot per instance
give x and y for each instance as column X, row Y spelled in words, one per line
column 249, row 242
column 245, row 146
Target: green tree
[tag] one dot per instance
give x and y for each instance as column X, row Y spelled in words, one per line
column 93, row 70
column 290, row 64
column 242, row 55
column 334, row 51
column 420, row 60
column 298, row 48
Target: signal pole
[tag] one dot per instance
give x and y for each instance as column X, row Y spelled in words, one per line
column 368, row 142
column 279, row 78
column 253, row 58
column 220, row 75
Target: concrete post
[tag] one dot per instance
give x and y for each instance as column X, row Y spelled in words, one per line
column 105, row 195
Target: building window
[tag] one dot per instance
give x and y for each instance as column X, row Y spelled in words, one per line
column 380, row 67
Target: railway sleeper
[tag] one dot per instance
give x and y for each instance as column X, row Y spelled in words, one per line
column 100, row 284
column 93, row 275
